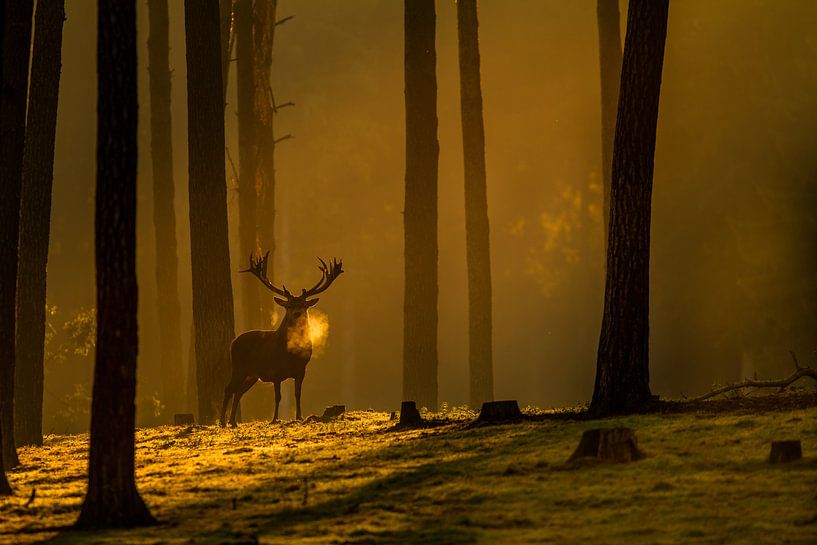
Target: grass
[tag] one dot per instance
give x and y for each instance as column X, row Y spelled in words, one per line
column 355, row 481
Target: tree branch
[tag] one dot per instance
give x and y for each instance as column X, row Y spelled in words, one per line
column 284, row 20
column 781, row 384
column 285, row 137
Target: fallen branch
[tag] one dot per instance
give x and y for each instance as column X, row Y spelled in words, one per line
column 781, row 384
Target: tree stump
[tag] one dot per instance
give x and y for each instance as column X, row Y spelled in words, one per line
column 183, row 419
column 608, row 444
column 500, row 411
column 333, row 412
column 409, row 415
column 785, row 451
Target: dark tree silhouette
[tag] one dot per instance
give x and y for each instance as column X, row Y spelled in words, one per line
column 112, row 500
column 265, row 111
column 164, row 213
column 209, row 249
column 16, row 48
column 35, row 220
column 420, row 213
column 622, row 368
column 477, row 233
column 247, row 154
column 5, row 487
column 610, row 75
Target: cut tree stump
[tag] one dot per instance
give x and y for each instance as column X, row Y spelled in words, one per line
column 608, row 444
column 333, row 412
column 785, row 451
column 183, row 419
column 500, row 411
column 409, row 415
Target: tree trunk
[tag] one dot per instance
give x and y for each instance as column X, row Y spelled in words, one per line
column 622, row 367
column 477, row 236
column 209, row 248
column 35, row 220
column 610, row 75
column 420, row 213
column 247, row 154
column 16, row 49
column 265, row 110
column 112, row 500
column 164, row 213
column 5, row 487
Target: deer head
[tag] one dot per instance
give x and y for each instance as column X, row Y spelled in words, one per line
column 296, row 306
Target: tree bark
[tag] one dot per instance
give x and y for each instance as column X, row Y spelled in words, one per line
column 420, row 213
column 35, row 220
column 622, row 367
column 16, row 49
column 5, row 487
column 265, row 110
column 247, row 154
column 477, row 232
column 164, row 213
column 112, row 500
column 209, row 248
column 610, row 76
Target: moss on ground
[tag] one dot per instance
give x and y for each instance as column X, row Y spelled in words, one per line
column 705, row 480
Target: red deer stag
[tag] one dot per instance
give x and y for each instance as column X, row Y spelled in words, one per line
column 275, row 355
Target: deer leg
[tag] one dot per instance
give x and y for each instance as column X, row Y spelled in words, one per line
column 298, row 383
column 246, row 385
column 277, row 400
column 229, row 391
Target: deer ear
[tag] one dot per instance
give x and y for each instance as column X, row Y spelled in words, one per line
column 311, row 303
column 281, row 302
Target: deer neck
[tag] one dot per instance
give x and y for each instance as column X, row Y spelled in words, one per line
column 298, row 337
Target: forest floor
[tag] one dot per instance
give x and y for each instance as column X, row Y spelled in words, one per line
column 357, row 481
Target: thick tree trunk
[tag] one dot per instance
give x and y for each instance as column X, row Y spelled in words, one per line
column 420, row 213
column 5, row 487
column 35, row 220
column 622, row 367
column 265, row 17
column 112, row 500
column 164, row 213
column 16, row 49
column 477, row 232
column 247, row 154
column 209, row 248
column 610, row 76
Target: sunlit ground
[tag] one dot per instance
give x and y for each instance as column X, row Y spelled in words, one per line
column 704, row 480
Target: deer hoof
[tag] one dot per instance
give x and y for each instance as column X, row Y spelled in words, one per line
column 233, row 425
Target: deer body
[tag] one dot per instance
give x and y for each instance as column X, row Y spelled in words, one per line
column 279, row 354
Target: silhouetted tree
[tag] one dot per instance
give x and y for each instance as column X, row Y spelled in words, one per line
column 35, row 220
column 610, row 75
column 265, row 111
column 420, row 213
column 164, row 213
column 622, row 368
column 112, row 500
column 247, row 155
column 209, row 249
column 16, row 48
column 5, row 487
column 477, row 233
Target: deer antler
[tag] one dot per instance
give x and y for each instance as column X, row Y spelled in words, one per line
column 258, row 268
column 328, row 275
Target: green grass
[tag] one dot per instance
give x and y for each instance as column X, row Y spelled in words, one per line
column 705, row 480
